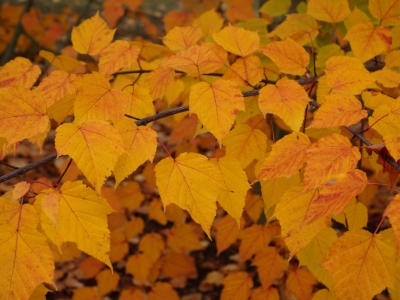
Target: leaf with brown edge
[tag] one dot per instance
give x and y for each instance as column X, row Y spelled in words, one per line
column 182, row 181
column 237, row 286
column 79, row 142
column 23, row 114
column 245, row 144
column 361, row 264
column 96, row 100
column 238, row 41
column 91, row 36
column 291, row 211
column 287, row 156
column 328, row 11
column 327, row 158
column 216, row 105
column 140, row 143
column 288, row 55
column 368, row 41
column 19, row 72
column 270, row 265
column 181, row 38
column 287, row 99
column 117, row 55
column 338, row 110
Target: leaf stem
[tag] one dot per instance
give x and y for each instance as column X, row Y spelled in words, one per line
column 65, row 171
column 165, row 148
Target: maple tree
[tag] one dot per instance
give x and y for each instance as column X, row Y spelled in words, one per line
column 258, row 134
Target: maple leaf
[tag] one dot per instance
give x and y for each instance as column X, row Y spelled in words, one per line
column 216, row 105
column 80, row 142
column 182, row 181
column 287, row 99
column 362, row 264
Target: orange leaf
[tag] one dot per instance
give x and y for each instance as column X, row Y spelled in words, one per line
column 87, row 293
column 261, row 293
column 61, row 62
column 158, row 81
column 329, row 11
column 386, row 11
column 22, row 114
column 182, row 181
column 254, row 239
column 338, row 110
column 197, row 60
column 288, row 55
column 387, row 78
column 300, row 284
column 183, row 237
column 119, row 246
column 19, row 72
column 238, row 41
column 90, row 267
column 361, row 264
column 216, row 105
column 130, row 195
column 237, row 286
column 393, row 145
column 254, row 206
column 156, row 212
column 245, row 144
column 367, row 41
column 181, row 38
column 107, row 281
column 92, row 35
column 291, row 212
column 176, row 265
column 140, row 102
column 134, row 227
column 270, row 265
column 20, row 189
column 117, row 55
column 335, row 196
column 152, row 244
column 56, row 86
column 96, row 100
column 392, row 211
column 138, row 265
column 327, row 158
column 163, row 291
column 227, row 232
column 209, row 21
column 287, row 157
column 232, row 199
column 245, row 71
column 140, row 143
column 287, row 99
column 78, row 141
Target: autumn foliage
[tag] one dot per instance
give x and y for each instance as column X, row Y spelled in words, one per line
column 264, row 134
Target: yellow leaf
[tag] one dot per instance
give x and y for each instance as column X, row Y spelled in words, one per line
column 338, row 110
column 301, row 28
column 313, row 254
column 138, row 266
column 373, row 100
column 22, row 114
column 182, row 181
column 140, row 103
column 56, row 86
column 275, row 8
column 92, row 35
column 326, row 52
column 119, row 246
column 356, row 215
column 197, row 60
column 329, row 11
column 79, row 142
column 140, row 144
column 163, row 291
column 245, row 71
column 387, row 78
column 237, row 40
column 130, row 195
column 158, row 81
column 356, row 16
column 286, row 158
column 156, row 212
column 117, row 55
column 20, row 189
column 61, row 62
column 181, row 38
column 86, row 293
column 254, row 239
column 270, row 265
column 216, row 105
column 96, row 100
column 324, row 295
column 392, row 211
column 232, row 199
column 291, row 211
column 39, row 293
column 82, row 218
column 209, row 21
column 288, row 55
column 62, row 108
column 107, row 281
column 287, row 99
column 237, row 286
column 361, row 264
column 327, row 158
column 300, row 284
column 25, row 256
column 367, row 41
column 152, row 244
column 245, row 144
column 386, row 11
column 227, row 232
column 19, row 72
column 385, row 121
column 254, row 206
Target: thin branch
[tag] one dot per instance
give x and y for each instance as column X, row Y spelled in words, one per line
column 65, row 171
column 8, row 165
column 148, row 71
